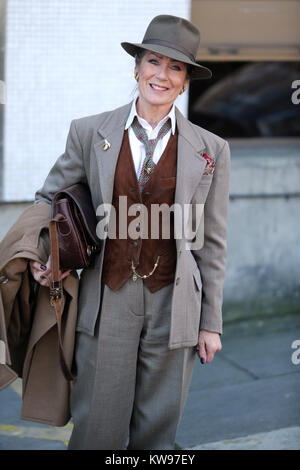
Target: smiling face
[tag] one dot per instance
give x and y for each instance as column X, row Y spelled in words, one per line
column 160, row 80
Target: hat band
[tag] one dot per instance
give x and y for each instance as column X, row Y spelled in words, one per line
column 160, row 42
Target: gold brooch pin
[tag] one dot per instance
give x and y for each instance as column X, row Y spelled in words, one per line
column 106, row 145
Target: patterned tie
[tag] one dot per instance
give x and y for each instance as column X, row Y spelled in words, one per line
column 148, row 164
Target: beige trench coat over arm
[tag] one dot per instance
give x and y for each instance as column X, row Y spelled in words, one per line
column 28, row 335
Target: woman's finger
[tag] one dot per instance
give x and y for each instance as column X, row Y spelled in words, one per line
column 42, row 272
column 210, row 355
column 65, row 274
column 35, row 270
column 45, row 273
column 35, row 266
column 43, row 280
column 38, row 267
column 46, row 267
column 202, row 352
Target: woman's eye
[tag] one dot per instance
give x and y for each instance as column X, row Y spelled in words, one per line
column 153, row 61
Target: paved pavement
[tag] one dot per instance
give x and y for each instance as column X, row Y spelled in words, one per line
column 247, row 398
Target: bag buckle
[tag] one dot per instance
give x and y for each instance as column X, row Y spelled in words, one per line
column 56, row 291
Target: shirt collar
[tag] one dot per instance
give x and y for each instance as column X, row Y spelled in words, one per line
column 145, row 124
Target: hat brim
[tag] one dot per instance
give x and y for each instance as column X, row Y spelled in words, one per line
column 198, row 71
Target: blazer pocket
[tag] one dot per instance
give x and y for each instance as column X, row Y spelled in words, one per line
column 168, row 183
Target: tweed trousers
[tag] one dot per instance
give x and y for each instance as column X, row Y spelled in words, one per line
column 130, row 388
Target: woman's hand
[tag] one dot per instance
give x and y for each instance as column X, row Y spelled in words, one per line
column 208, row 344
column 42, row 272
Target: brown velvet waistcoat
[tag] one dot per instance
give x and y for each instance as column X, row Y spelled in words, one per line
column 160, row 189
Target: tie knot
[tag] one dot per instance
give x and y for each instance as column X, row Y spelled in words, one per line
column 141, row 135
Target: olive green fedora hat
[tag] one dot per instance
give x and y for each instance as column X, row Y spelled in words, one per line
column 172, row 37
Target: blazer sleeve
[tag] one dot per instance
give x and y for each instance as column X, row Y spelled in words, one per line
column 67, row 170
column 211, row 258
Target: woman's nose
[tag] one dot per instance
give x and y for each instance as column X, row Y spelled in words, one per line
column 162, row 72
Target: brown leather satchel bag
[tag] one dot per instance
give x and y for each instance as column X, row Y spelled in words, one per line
column 74, row 218
column 73, row 242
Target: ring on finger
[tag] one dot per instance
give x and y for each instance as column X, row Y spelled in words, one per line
column 43, row 276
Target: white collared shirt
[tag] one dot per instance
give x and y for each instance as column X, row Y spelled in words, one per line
column 137, row 147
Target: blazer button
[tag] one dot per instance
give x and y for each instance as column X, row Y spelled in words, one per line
column 177, row 281
column 3, row 279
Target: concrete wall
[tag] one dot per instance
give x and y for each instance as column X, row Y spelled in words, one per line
column 264, row 230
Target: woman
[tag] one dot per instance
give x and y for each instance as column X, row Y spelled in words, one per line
column 144, row 300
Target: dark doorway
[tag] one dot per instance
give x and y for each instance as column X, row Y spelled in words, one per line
column 247, row 99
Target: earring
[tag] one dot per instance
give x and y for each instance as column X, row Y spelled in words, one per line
column 136, row 76
column 182, row 90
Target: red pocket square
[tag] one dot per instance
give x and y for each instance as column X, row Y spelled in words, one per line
column 210, row 165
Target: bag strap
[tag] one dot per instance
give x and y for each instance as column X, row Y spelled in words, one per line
column 56, row 291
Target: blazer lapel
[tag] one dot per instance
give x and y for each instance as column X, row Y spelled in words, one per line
column 107, row 149
column 190, row 162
